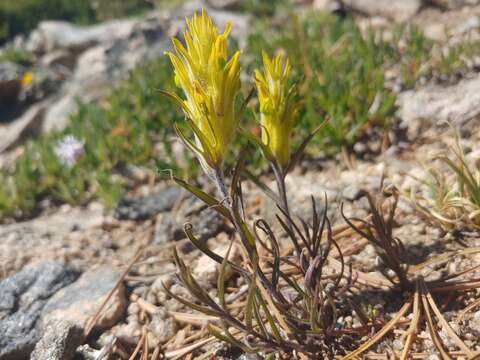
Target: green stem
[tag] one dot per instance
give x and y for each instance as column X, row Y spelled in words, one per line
column 282, row 189
column 219, row 180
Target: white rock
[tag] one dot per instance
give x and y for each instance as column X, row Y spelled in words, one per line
column 398, row 10
column 206, row 270
column 457, row 103
column 52, row 34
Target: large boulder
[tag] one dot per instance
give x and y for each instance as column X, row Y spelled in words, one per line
column 24, row 296
column 47, row 308
column 104, row 64
column 53, row 35
column 436, row 104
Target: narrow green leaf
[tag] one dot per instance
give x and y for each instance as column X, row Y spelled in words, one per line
column 221, row 279
column 207, row 199
column 258, row 142
column 262, row 186
column 202, row 246
column 296, row 156
column 271, row 321
column 251, row 298
column 202, row 309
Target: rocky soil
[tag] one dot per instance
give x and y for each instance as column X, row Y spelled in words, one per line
column 59, row 269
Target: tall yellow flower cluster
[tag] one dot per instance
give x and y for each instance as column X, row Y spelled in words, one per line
column 211, row 83
column 278, row 107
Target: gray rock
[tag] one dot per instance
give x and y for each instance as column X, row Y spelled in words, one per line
column 10, row 86
column 46, row 237
column 223, row 4
column 79, row 302
column 328, row 5
column 206, row 222
column 100, row 65
column 28, row 124
column 52, row 35
column 106, row 62
column 58, row 342
column 58, row 58
column 398, row 10
column 24, row 297
column 146, row 207
column 249, row 357
column 352, row 192
column 162, row 327
column 457, row 104
column 166, row 229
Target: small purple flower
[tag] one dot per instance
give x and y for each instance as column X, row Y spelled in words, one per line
column 69, row 149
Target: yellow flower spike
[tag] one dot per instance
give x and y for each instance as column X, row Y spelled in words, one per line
column 210, row 82
column 278, row 107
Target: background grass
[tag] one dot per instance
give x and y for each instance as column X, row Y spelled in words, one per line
column 122, row 131
column 339, row 70
column 21, row 16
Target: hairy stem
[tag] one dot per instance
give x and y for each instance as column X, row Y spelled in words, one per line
column 282, row 190
column 238, row 222
column 219, row 180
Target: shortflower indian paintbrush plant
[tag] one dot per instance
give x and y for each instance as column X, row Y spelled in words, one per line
column 279, row 113
column 291, row 312
column 278, row 107
column 210, row 82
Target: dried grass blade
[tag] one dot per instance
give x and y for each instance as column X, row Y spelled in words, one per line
column 271, row 321
column 413, row 328
column 470, row 307
column 180, row 353
column 139, row 344
column 459, row 286
column 251, row 299
column 221, row 279
column 446, row 325
column 363, row 278
column 366, row 345
column 94, row 320
column 431, row 326
column 193, row 319
column 444, row 258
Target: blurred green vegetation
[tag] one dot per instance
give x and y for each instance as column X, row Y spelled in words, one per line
column 121, row 131
column 340, row 74
column 21, row 16
column 16, row 56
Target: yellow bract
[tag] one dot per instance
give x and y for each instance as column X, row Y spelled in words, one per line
column 278, row 107
column 210, row 82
